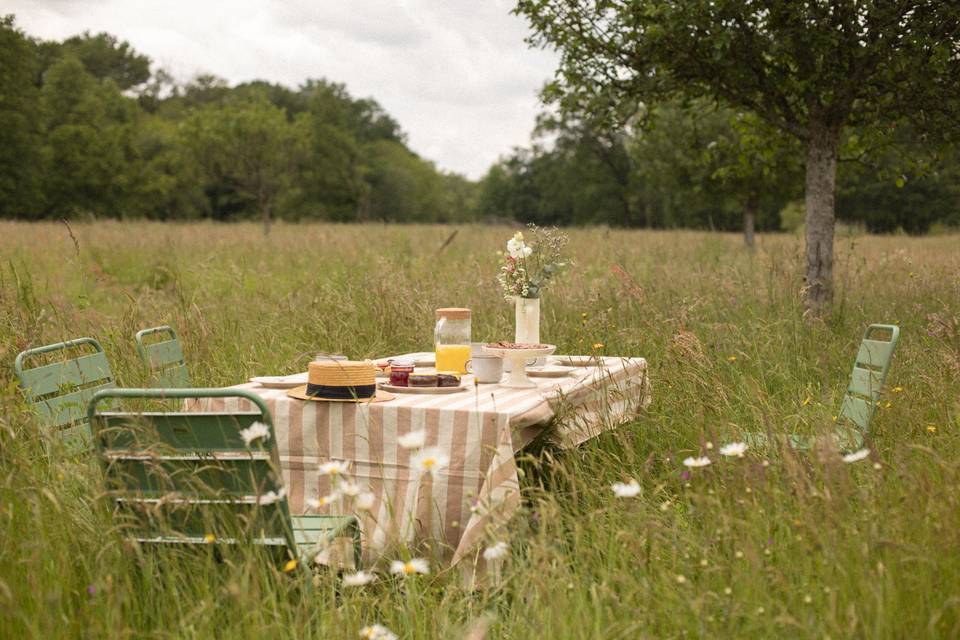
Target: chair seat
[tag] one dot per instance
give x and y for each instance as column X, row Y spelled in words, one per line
column 847, row 440
column 311, row 531
column 795, row 441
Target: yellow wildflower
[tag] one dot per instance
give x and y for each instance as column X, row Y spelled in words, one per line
column 290, row 566
column 898, row 389
column 209, row 538
column 731, row 358
column 932, row 428
column 598, row 345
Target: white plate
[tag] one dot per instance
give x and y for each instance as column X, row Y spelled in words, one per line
column 576, row 361
column 549, row 371
column 280, row 382
column 520, row 353
column 420, row 359
column 428, row 390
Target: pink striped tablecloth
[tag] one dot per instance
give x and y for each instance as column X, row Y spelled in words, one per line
column 452, row 514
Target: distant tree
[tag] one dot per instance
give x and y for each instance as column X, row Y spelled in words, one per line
column 249, row 147
column 89, row 142
column 21, row 125
column 103, row 56
column 756, row 164
column 808, row 68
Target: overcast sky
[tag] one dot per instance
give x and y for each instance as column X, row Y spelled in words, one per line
column 456, row 74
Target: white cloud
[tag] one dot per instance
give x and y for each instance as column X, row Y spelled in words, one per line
column 456, row 74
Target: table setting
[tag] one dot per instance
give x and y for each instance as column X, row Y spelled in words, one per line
column 469, row 407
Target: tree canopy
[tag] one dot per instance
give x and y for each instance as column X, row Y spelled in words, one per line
column 809, row 69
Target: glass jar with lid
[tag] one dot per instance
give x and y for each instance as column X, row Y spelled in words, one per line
column 452, row 339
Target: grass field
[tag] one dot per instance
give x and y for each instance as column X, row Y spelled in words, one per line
column 773, row 545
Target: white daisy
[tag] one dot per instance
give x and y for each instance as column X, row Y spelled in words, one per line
column 734, row 449
column 377, row 632
column 430, row 460
column 365, row 501
column 255, row 431
column 322, row 501
column 696, row 462
column 334, row 468
column 358, row 579
column 496, row 551
column 410, row 567
column 413, row 440
column 626, row 489
column 351, row 489
column 856, row 456
column 272, row 496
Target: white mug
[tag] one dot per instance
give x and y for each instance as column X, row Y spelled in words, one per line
column 487, row 369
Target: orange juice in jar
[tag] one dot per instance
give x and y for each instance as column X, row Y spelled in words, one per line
column 452, row 339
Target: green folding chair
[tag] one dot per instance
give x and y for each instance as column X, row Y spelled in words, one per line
column 863, row 393
column 183, row 478
column 162, row 356
column 59, row 380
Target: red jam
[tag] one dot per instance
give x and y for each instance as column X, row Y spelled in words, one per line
column 400, row 371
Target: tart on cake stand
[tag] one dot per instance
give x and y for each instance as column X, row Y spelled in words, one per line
column 518, row 355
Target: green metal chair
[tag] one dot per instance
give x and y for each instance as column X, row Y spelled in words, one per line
column 163, row 359
column 182, row 478
column 863, row 393
column 60, row 390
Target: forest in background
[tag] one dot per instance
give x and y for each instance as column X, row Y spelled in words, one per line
column 89, row 127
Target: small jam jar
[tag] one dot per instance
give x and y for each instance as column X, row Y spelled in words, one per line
column 400, row 371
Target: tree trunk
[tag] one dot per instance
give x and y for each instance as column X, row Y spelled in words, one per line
column 749, row 218
column 265, row 216
column 820, row 189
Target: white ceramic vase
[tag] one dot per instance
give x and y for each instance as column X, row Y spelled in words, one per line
column 528, row 324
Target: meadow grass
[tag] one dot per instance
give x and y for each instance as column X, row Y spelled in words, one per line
column 776, row 544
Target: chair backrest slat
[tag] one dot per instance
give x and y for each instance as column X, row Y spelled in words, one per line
column 164, row 360
column 59, row 391
column 180, row 476
column 868, row 377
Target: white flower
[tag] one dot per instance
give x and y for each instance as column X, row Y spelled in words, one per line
column 322, row 501
column 334, row 468
column 734, row 449
column 377, row 632
column 410, row 567
column 365, row 501
column 322, row 557
column 351, row 489
column 856, row 456
column 626, row 489
column 515, row 245
column 413, row 440
column 696, row 462
column 496, row 551
column 270, row 497
column 430, row 459
column 358, row 579
column 254, row 432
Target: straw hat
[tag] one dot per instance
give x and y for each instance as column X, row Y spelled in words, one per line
column 340, row 381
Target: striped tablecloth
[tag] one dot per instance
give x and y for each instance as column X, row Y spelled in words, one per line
column 459, row 509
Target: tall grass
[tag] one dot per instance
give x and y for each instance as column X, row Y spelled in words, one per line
column 776, row 544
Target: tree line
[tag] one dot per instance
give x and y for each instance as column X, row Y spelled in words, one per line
column 87, row 127
column 705, row 165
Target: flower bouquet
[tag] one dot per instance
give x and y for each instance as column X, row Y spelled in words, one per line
column 526, row 269
column 529, row 266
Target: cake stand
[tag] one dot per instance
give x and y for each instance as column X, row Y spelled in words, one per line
column 518, row 364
